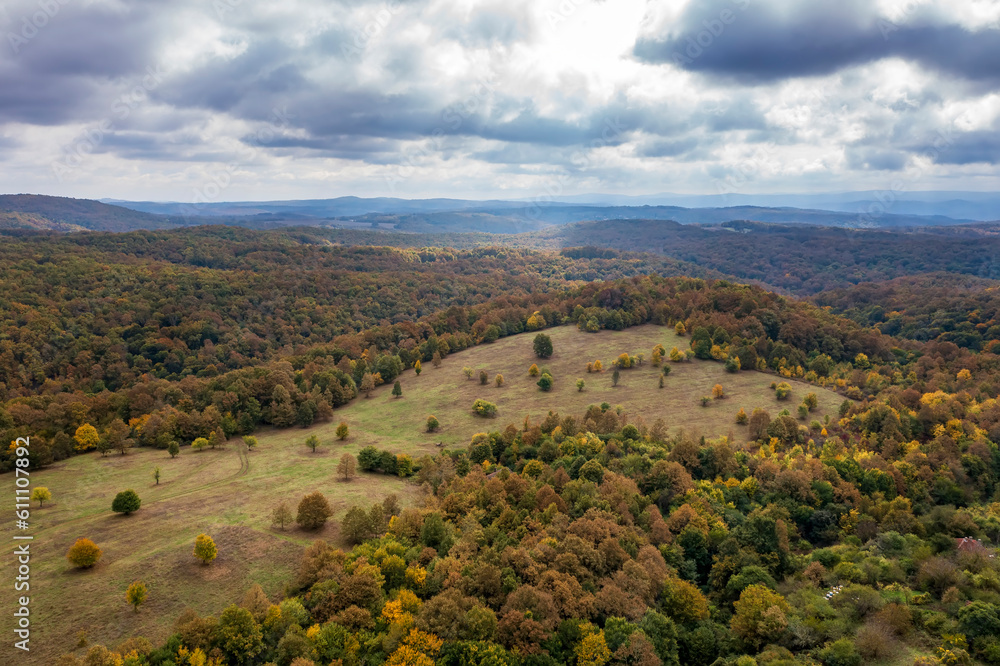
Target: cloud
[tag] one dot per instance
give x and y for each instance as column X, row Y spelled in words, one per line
column 768, row 40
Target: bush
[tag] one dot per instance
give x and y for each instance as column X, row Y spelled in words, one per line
column 484, row 408
column 840, row 653
column 127, row 501
column 313, row 511
column 875, row 642
column 545, row 382
column 483, row 377
column 83, row 554
column 782, row 390
column 432, row 423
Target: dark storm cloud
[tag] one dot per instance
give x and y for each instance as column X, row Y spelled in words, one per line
column 980, row 147
column 766, row 41
column 58, row 72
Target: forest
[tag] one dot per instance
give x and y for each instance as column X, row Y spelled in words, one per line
column 585, row 538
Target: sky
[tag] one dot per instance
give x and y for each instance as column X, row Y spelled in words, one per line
column 225, row 100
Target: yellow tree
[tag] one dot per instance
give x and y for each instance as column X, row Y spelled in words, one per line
column 136, row 594
column 204, row 548
column 593, row 650
column 760, row 615
column 718, row 392
column 41, row 495
column 86, row 437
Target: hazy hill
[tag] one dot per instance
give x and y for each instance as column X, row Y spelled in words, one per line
column 36, row 211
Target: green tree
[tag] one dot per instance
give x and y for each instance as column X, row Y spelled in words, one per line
column 467, row 371
column 580, row 384
column 173, row 448
column 127, row 501
column 368, row 459
column 432, row 423
column 397, row 390
column 41, row 495
column 205, row 549
column 156, row 475
column 314, row 510
column 615, row 376
column 356, row 525
column 312, row 441
column 135, row 595
column 199, row 444
column 545, row 382
column 240, row 637
column 342, row 431
column 542, row 346
column 250, row 441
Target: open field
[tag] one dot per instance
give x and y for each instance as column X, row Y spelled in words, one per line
column 398, row 424
column 229, row 494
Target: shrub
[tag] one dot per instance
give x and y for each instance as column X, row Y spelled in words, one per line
column 127, row 501
column 741, row 417
column 484, row 408
column 84, row 553
column 498, row 380
column 173, row 448
column 136, row 594
column 313, row 511
column 782, row 390
column 484, row 378
column 718, row 392
column 432, row 423
column 545, row 382
column 840, row 653
column 533, row 370
column 580, row 384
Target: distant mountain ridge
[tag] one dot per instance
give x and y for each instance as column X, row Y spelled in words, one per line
column 40, row 212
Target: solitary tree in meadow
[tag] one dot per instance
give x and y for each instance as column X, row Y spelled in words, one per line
column 432, row 423
column 156, row 475
column 397, row 390
column 312, row 441
column 615, row 376
column 542, row 346
column 83, row 554
column 135, row 595
column 281, row 515
column 342, row 430
column 498, row 380
column 250, row 442
column 41, row 495
column 313, row 511
column 467, row 371
column 205, row 549
column 347, row 467
column 173, row 448
column 127, row 502
column 484, row 378
column 580, row 384
column 417, row 368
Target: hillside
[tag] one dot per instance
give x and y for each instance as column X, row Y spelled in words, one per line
column 35, row 211
column 229, row 493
